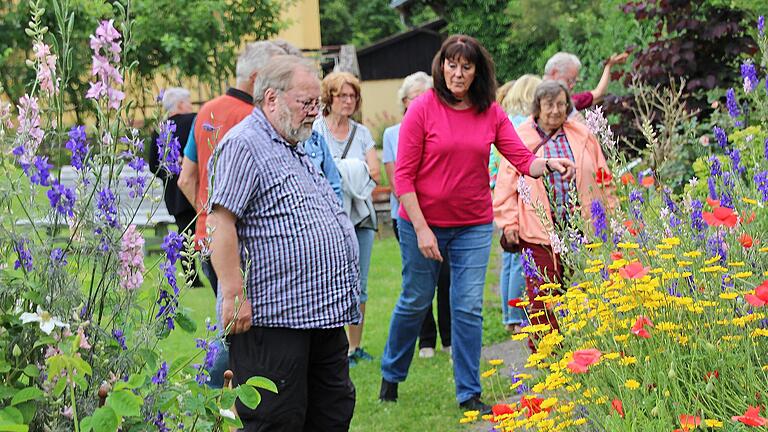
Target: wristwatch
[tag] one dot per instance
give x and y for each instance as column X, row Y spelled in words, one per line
column 549, row 168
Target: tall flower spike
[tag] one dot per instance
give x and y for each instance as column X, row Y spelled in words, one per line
column 749, row 75
column 46, row 69
column 106, row 57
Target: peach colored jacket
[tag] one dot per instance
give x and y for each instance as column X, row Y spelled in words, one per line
column 509, row 210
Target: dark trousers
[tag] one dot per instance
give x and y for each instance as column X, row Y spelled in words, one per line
column 428, row 332
column 550, row 266
column 210, row 273
column 184, row 221
column 311, row 371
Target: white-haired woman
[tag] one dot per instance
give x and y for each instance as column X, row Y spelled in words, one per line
column 413, row 86
column 517, row 105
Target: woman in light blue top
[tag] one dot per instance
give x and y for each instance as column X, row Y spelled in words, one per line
column 413, row 86
column 517, row 104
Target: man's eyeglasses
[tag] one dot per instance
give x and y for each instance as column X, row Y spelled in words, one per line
column 309, row 105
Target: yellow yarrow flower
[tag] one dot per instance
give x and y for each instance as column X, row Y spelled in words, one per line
column 548, row 402
column 694, row 254
column 712, row 423
column 632, row 384
column 750, row 201
column 712, row 260
column 593, row 245
column 742, row 275
column 629, row 360
column 488, row 373
column 628, row 245
column 496, row 362
column 728, row 295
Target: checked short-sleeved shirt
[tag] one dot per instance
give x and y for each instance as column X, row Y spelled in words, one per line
column 296, row 244
column 557, row 147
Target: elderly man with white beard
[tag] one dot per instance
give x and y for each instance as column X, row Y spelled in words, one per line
column 286, row 255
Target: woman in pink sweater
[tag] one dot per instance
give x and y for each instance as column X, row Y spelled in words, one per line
column 442, row 182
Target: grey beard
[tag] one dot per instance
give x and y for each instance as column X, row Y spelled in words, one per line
column 291, row 134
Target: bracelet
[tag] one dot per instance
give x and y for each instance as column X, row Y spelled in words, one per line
column 549, row 168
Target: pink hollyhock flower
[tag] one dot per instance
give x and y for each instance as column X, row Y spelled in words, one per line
column 131, row 258
column 46, row 69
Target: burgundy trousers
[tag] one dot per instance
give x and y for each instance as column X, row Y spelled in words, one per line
column 551, row 269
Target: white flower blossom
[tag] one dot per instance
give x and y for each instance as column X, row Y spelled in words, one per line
column 524, row 190
column 227, row 413
column 47, row 321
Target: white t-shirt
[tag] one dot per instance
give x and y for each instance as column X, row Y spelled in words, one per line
column 361, row 143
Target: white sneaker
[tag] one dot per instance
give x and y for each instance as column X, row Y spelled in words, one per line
column 426, row 352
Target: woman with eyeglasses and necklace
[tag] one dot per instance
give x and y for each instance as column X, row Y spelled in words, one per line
column 354, row 151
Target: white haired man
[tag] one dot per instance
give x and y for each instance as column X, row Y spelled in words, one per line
column 565, row 67
column 178, row 108
column 276, row 220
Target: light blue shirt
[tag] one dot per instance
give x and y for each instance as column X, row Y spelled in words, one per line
column 390, row 154
column 321, row 157
column 190, row 148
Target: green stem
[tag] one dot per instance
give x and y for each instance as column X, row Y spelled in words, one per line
column 74, row 406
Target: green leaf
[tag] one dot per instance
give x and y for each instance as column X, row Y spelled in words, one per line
column 104, row 419
column 81, row 365
column 185, row 322
column 31, row 371
column 125, row 403
column 28, row 410
column 236, row 422
column 6, row 392
column 149, row 357
column 85, row 424
column 249, row 396
column 27, row 394
column 11, row 415
column 58, row 389
column 13, row 427
column 133, row 382
column 262, row 382
column 228, row 397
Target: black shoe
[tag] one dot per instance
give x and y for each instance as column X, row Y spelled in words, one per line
column 475, row 404
column 388, row 392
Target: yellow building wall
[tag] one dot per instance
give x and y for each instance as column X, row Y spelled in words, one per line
column 380, row 105
column 303, row 18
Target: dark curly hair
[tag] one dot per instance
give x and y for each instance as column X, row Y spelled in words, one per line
column 482, row 91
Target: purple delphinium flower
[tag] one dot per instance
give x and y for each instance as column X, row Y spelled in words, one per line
column 162, row 374
column 211, row 352
column 136, row 183
column 712, row 188
column 159, row 422
column 39, row 172
column 529, row 265
column 733, row 105
column 715, row 169
column 24, row 255
column 697, row 221
column 62, row 199
column 106, row 203
column 172, row 245
column 720, row 136
column 761, row 181
column 716, row 247
column 78, row 145
column 726, row 197
column 599, row 220
column 761, row 25
column 29, row 135
column 58, row 257
column 749, row 75
column 169, row 148
column 120, row 338
column 765, row 144
column 735, row 156
column 636, row 196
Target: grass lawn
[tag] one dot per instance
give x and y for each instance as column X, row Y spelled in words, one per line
column 427, row 400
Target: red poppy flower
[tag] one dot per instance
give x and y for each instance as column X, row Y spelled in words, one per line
column 501, row 409
column 689, row 422
column 533, row 405
column 713, row 203
column 618, row 407
column 746, row 241
column 710, row 375
column 628, row 178
column 760, row 297
column 721, row 216
column 615, row 256
column 648, row 181
column 630, row 225
column 751, row 218
column 603, row 177
column 514, row 302
column 634, row 270
column 751, row 417
column 638, row 328
column 583, row 359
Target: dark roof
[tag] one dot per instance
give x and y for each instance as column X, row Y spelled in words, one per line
column 432, row 27
column 394, row 4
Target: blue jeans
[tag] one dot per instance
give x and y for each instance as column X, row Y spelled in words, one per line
column 467, row 250
column 365, row 237
column 511, row 286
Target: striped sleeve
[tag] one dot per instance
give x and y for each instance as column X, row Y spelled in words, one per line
column 232, row 176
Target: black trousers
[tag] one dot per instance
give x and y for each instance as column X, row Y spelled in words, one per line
column 428, row 332
column 311, row 371
column 186, row 226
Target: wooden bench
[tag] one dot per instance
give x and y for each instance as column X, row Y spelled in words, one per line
column 148, row 211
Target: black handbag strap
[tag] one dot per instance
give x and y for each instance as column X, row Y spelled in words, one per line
column 349, row 141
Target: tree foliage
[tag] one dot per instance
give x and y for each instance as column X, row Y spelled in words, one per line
column 357, row 23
